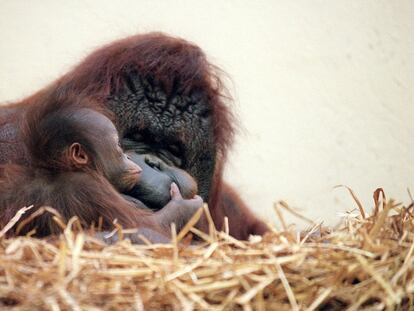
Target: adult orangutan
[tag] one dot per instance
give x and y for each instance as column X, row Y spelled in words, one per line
column 170, row 110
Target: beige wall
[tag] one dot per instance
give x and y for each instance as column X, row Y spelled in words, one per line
column 324, row 89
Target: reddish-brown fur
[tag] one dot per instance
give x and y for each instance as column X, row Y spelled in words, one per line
column 100, row 74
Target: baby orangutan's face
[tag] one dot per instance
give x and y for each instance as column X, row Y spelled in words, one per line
column 121, row 172
column 104, row 151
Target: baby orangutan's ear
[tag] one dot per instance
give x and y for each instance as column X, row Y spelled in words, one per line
column 78, row 154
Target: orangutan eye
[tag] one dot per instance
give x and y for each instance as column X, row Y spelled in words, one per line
column 137, row 137
column 168, row 157
column 174, row 149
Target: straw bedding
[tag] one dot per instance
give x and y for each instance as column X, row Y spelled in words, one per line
column 366, row 263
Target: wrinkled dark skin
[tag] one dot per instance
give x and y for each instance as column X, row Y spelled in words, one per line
column 186, row 156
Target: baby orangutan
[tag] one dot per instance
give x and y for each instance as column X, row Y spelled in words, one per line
column 77, row 167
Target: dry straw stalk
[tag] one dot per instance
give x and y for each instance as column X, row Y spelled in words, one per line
column 367, row 263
